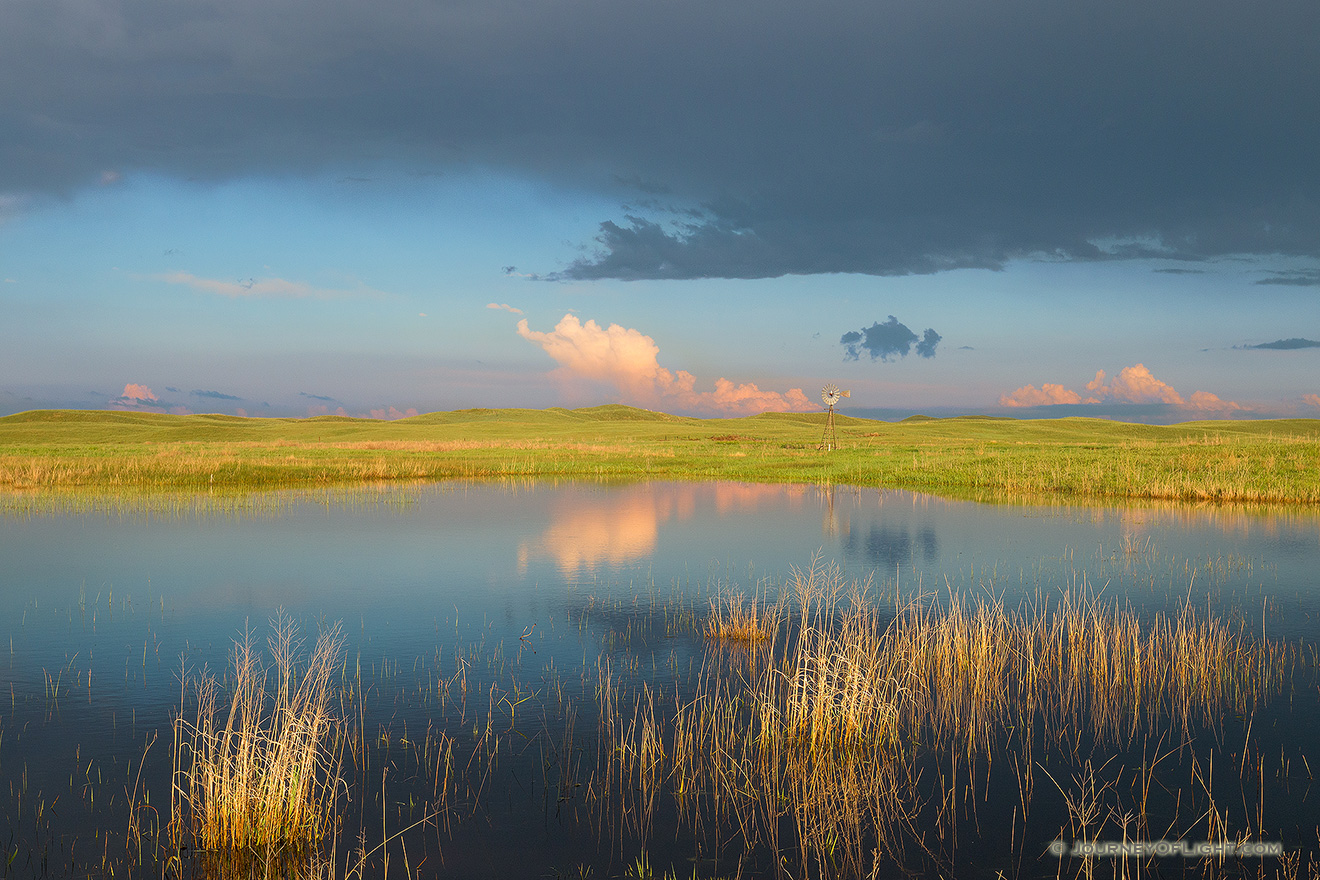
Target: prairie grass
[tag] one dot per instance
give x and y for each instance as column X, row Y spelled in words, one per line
column 831, row 735
column 257, row 774
column 1257, row 462
column 734, row 618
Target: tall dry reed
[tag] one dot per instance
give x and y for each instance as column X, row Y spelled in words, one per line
column 829, row 735
column 257, row 773
column 735, row 618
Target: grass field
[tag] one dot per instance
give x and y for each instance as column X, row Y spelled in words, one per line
column 119, row 452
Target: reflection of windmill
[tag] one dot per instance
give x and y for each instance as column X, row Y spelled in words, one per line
column 829, row 526
column 830, row 395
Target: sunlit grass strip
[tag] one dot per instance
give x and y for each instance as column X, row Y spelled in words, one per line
column 1242, row 462
column 259, row 776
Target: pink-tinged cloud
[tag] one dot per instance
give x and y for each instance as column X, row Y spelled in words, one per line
column 134, row 391
column 1204, row 400
column 504, row 307
column 1047, row 394
column 628, row 360
column 140, row 398
column 1312, row 400
column 1134, row 384
column 391, row 413
column 260, row 288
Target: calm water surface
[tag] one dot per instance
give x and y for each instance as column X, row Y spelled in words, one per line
column 103, row 613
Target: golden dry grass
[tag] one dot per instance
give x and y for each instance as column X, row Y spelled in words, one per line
column 733, row 618
column 828, row 735
column 257, row 773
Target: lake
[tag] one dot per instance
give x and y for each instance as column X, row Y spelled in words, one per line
column 508, row 646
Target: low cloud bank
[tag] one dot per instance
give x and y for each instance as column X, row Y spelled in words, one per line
column 1132, row 385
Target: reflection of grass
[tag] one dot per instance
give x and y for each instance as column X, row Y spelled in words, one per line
column 1275, row 461
column 1134, row 549
column 257, row 778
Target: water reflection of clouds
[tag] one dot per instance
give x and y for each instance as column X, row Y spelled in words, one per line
column 588, row 529
column 749, row 497
column 887, row 547
column 591, row 528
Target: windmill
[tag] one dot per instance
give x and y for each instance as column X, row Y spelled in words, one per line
column 831, row 395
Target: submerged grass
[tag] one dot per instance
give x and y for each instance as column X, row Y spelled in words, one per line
column 257, row 774
column 1245, row 461
column 965, row 670
column 831, row 736
column 858, row 742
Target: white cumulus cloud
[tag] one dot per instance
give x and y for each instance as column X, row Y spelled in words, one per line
column 628, row 360
column 1134, row 384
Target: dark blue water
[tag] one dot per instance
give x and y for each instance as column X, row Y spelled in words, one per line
column 102, row 615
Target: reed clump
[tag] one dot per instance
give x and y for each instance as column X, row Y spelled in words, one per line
column 966, row 670
column 830, row 736
column 975, row 668
column 257, row 773
column 734, row 618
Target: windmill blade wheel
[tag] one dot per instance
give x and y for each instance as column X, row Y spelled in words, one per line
column 830, row 395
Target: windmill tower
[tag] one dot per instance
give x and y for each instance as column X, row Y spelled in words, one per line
column 831, row 395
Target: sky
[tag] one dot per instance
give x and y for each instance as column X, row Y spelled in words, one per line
column 1031, row 208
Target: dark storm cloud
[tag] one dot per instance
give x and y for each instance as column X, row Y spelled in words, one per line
column 1284, row 344
column 887, row 341
column 929, row 339
column 902, row 137
column 214, row 395
column 317, row 397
